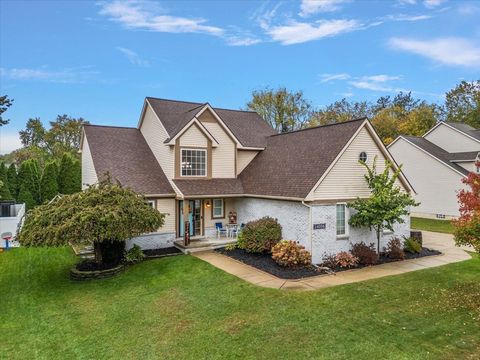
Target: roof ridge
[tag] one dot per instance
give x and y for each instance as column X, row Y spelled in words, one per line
column 112, row 126
column 200, row 104
column 173, row 100
column 320, row 126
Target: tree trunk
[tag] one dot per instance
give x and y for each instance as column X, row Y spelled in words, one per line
column 378, row 241
column 97, row 248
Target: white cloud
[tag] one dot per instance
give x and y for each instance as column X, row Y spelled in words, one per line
column 404, row 17
column 374, row 86
column 242, row 41
column 433, row 3
column 468, row 9
column 310, row 7
column 132, row 56
column 298, row 32
column 333, row 77
column 380, row 78
column 145, row 15
column 67, row 76
column 9, row 142
column 448, row 51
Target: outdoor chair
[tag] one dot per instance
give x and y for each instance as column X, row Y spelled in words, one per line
column 220, row 230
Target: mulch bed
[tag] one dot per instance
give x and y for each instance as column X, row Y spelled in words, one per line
column 265, row 263
column 155, row 253
column 90, row 265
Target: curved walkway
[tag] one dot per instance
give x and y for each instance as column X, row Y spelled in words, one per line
column 432, row 240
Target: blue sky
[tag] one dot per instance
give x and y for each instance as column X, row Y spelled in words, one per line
column 98, row 60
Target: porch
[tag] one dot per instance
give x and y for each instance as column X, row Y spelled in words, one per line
column 202, row 243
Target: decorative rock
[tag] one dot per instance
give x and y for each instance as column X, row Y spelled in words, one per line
column 77, row 275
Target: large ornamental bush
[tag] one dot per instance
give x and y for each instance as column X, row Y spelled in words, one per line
column 105, row 215
column 289, row 253
column 260, row 236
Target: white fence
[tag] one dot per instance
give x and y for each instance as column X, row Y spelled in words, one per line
column 12, row 224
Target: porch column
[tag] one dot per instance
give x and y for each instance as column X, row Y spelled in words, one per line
column 186, row 223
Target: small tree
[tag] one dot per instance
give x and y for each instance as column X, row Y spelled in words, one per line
column 69, row 175
column 386, row 205
column 105, row 215
column 4, row 189
column 29, row 183
column 49, row 183
column 467, row 226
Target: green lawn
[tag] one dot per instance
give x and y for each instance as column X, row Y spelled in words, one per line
column 443, row 226
column 183, row 308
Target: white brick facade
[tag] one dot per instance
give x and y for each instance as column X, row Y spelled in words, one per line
column 296, row 225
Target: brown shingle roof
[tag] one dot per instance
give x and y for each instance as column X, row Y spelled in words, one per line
column 292, row 163
column 247, row 126
column 207, row 187
column 124, row 153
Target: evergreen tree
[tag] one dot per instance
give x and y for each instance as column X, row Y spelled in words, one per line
column 29, row 183
column 4, row 190
column 49, row 182
column 12, row 180
column 69, row 175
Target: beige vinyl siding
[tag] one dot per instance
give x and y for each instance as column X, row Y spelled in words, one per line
column 167, row 207
column 223, row 155
column 89, row 175
column 435, row 183
column 193, row 137
column 244, row 157
column 209, row 223
column 452, row 140
column 346, row 178
column 154, row 133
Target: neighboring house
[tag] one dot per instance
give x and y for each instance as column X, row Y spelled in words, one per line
column 200, row 163
column 436, row 163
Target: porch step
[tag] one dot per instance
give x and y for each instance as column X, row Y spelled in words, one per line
column 197, row 245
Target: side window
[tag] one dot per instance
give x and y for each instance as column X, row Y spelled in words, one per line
column 218, row 210
column 342, row 221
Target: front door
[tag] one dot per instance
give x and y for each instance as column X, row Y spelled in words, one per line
column 194, row 217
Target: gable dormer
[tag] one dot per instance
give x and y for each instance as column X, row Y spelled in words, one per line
column 453, row 138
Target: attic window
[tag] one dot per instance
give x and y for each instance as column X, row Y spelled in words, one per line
column 363, row 156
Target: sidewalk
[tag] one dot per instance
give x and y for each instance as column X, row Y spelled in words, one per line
column 437, row 241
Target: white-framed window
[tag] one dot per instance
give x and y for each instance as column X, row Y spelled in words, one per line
column 342, row 220
column 152, row 203
column 218, row 209
column 193, row 162
column 363, row 156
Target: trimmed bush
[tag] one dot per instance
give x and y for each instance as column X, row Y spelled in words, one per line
column 260, row 236
column 291, row 254
column 134, row 255
column 366, row 254
column 412, row 246
column 394, row 250
column 329, row 260
column 346, row 260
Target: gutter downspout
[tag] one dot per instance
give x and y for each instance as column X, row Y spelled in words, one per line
column 309, row 225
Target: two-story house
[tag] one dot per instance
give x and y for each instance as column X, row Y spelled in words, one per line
column 198, row 164
column 436, row 163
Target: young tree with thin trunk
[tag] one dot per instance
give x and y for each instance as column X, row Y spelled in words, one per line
column 387, row 204
column 105, row 215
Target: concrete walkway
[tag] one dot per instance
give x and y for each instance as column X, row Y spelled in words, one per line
column 437, row 241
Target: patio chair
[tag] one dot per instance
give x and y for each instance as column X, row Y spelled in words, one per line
column 220, row 230
column 237, row 230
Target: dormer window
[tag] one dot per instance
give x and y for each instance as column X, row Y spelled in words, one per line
column 194, row 162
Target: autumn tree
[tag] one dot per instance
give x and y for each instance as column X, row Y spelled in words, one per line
column 340, row 111
column 284, row 110
column 467, row 226
column 33, row 134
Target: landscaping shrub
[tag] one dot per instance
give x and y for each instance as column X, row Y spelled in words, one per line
column 329, row 260
column 394, row 250
column 291, row 254
column 366, row 254
column 231, row 247
column 260, row 236
column 134, row 255
column 412, row 246
column 346, row 260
